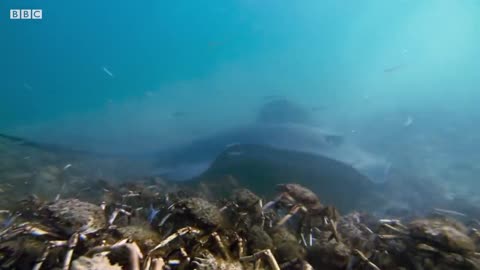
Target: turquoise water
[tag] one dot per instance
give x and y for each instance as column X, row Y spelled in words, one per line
column 110, row 75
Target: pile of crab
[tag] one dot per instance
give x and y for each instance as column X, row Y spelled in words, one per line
column 139, row 227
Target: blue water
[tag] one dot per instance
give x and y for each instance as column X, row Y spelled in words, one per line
column 109, row 74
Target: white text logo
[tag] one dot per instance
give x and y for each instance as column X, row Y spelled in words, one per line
column 26, row 14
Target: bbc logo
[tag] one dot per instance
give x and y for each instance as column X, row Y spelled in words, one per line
column 26, row 14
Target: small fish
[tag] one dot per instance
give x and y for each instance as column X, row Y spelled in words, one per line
column 9, row 221
column 318, row 108
column 231, row 144
column 390, row 221
column 27, row 86
column 408, row 122
column 179, row 114
column 130, row 194
column 67, row 166
column 272, row 97
column 386, row 171
column 449, row 212
column 149, row 94
column 152, row 213
column 214, row 44
column 235, row 153
column 394, row 68
column 109, row 73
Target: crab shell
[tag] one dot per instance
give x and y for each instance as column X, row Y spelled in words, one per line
column 73, row 215
column 201, row 211
column 302, row 195
column 443, row 234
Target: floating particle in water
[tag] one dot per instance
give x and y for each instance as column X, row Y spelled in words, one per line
column 108, row 72
column 408, row 122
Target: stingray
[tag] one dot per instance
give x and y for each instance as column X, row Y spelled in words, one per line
column 281, row 125
column 260, row 168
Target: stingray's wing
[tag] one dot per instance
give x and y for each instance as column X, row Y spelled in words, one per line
column 261, row 168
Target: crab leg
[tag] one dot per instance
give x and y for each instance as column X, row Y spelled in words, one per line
column 158, row 264
column 258, row 264
column 72, row 243
column 310, row 237
column 42, row 259
column 290, row 264
column 240, row 244
column 262, row 214
column 267, row 253
column 164, row 219
column 134, row 255
column 290, row 214
column 393, row 222
column 386, row 225
column 46, row 251
column 147, row 263
column 24, row 228
column 184, row 254
column 304, row 242
column 175, row 235
column 271, row 260
column 390, row 236
column 307, row 266
column 272, row 203
column 115, row 214
column 333, row 228
column 365, row 259
column 220, row 244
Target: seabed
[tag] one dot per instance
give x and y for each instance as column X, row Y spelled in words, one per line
column 66, row 211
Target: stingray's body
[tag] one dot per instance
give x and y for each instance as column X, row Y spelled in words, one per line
column 280, row 124
column 260, row 168
column 190, row 160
